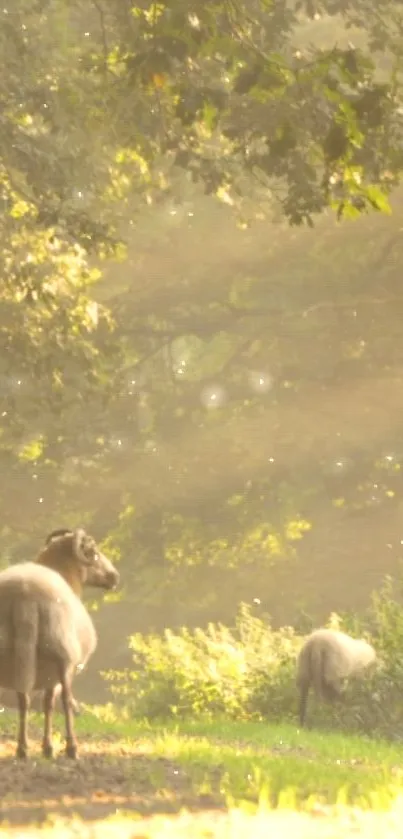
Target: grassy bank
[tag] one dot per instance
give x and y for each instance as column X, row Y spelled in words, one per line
column 218, row 779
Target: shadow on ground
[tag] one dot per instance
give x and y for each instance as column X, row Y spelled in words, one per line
column 109, row 777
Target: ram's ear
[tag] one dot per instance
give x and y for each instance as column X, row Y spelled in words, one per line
column 58, row 534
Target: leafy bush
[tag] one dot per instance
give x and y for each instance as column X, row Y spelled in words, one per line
column 249, row 672
column 241, row 673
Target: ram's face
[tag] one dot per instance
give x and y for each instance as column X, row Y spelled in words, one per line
column 75, row 550
column 97, row 569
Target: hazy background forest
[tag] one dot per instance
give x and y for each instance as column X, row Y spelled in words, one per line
column 202, row 368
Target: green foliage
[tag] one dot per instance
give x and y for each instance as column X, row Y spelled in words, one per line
column 249, row 672
column 113, row 116
column 207, row 672
column 105, row 103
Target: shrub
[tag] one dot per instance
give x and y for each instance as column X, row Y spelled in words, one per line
column 240, row 672
column 248, row 671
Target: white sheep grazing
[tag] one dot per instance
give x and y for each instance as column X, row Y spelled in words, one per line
column 326, row 659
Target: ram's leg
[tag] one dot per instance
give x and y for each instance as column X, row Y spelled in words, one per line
column 48, row 708
column 67, row 702
column 75, row 705
column 22, row 740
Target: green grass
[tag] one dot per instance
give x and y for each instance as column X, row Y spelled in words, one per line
column 232, row 778
column 254, row 760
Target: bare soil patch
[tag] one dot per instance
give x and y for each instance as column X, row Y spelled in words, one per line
column 109, row 777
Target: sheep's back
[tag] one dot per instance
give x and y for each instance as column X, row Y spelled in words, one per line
column 342, row 655
column 29, row 578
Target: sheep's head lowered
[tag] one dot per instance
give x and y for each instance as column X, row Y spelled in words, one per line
column 76, row 556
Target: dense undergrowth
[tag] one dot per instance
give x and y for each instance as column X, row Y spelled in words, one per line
column 248, row 672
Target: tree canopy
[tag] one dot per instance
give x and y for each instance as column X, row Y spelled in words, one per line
column 104, row 102
column 162, row 370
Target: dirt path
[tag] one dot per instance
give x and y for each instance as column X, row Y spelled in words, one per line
column 114, row 778
column 110, row 776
